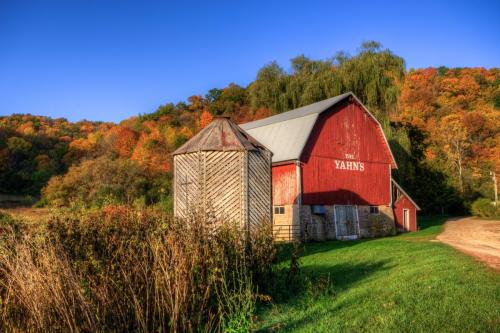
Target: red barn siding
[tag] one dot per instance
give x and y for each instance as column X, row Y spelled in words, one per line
column 404, row 203
column 346, row 133
column 284, row 184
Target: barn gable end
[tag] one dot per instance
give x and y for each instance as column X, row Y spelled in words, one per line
column 346, row 145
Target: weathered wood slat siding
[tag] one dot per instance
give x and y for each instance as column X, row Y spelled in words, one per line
column 232, row 186
column 259, row 187
column 346, row 134
column 186, row 183
column 212, row 181
column 226, row 174
column 223, row 183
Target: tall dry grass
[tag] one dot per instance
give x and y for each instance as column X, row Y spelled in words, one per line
column 120, row 269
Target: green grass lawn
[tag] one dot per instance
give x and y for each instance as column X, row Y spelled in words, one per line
column 406, row 283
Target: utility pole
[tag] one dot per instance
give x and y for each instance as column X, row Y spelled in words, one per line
column 494, row 178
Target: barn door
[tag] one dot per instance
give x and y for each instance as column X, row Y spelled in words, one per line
column 406, row 219
column 346, row 222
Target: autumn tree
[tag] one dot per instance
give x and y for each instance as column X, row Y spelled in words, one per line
column 98, row 182
column 453, row 136
column 419, row 93
column 122, row 140
column 205, row 118
column 18, row 145
column 196, row 103
column 228, row 100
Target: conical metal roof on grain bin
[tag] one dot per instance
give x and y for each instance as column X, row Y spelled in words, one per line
column 220, row 135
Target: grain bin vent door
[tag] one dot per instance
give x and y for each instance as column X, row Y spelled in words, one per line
column 346, row 222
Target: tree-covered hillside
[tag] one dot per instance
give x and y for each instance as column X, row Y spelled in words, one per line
column 443, row 125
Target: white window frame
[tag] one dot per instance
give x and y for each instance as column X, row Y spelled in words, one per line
column 279, row 208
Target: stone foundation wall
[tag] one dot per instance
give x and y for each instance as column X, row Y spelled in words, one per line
column 322, row 227
column 318, row 227
column 311, row 227
column 376, row 225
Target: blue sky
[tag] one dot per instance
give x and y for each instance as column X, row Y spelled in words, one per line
column 109, row 60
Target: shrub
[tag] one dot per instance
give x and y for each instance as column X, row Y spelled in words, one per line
column 43, row 202
column 123, row 269
column 9, row 227
column 104, row 181
column 484, row 208
column 97, row 182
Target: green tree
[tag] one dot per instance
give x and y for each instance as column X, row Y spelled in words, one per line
column 18, row 145
column 213, row 95
column 268, row 87
column 374, row 75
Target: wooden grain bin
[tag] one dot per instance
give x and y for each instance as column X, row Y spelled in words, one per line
column 226, row 173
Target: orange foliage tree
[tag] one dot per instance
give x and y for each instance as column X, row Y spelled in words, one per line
column 205, row 118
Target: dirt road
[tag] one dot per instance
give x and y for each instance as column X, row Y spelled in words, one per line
column 478, row 238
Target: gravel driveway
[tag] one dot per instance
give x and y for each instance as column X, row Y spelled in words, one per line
column 478, row 238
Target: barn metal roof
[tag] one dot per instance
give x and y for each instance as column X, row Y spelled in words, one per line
column 286, row 138
column 286, row 134
column 220, row 135
column 310, row 109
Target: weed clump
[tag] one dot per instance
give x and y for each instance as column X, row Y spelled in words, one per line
column 124, row 269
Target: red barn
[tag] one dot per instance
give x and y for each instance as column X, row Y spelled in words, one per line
column 332, row 172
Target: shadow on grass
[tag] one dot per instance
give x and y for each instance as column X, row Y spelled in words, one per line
column 347, row 274
column 318, row 281
column 293, row 324
column 285, row 249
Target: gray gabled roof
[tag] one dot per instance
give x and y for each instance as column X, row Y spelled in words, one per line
column 315, row 108
column 220, row 135
column 286, row 134
column 286, row 138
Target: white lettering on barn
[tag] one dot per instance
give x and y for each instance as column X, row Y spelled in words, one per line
column 349, row 165
column 349, row 156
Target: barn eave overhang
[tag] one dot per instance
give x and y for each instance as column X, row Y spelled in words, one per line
column 405, row 194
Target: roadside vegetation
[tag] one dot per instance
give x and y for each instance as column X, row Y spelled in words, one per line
column 406, row 283
column 122, row 269
column 486, row 208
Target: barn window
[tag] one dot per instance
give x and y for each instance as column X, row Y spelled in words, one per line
column 279, row 210
column 374, row 210
column 318, row 209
